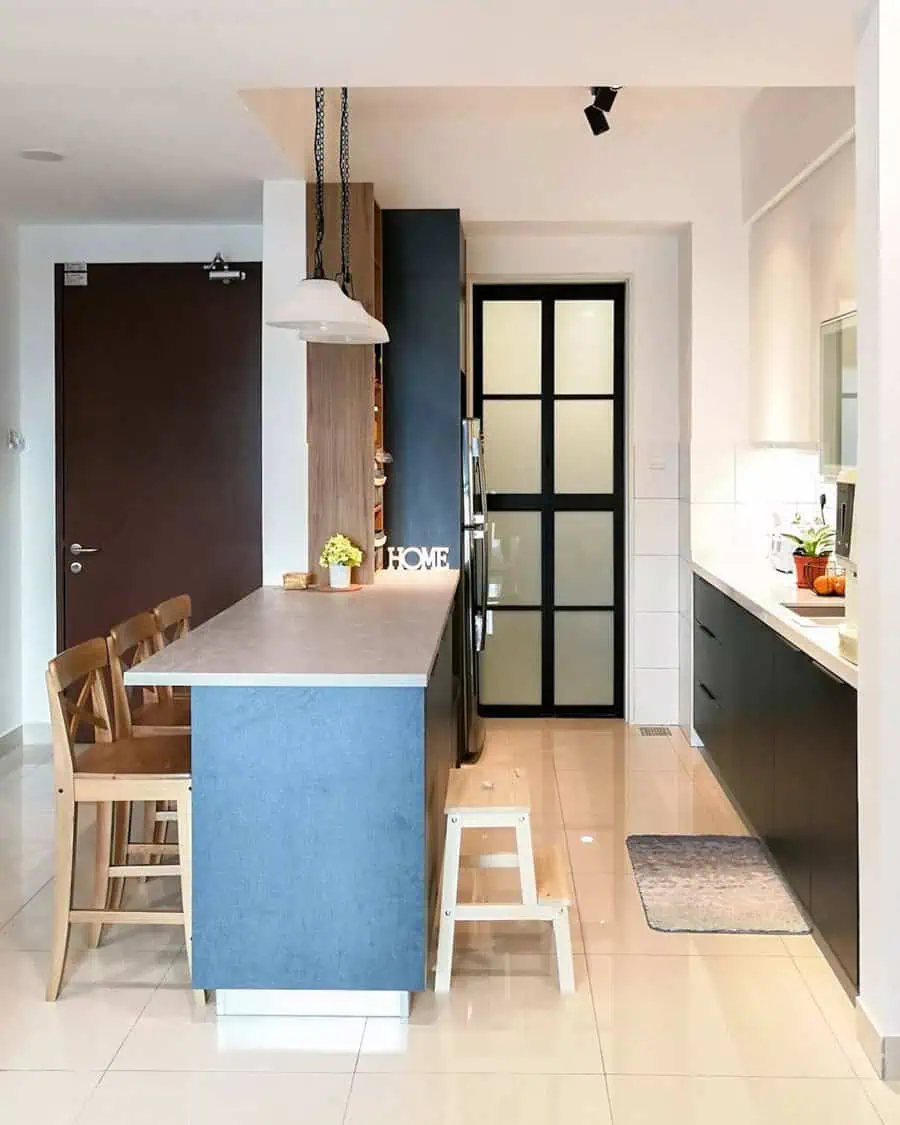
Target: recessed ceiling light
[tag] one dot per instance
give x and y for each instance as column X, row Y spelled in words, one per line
column 42, row 155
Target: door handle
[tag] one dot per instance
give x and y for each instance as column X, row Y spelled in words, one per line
column 77, row 549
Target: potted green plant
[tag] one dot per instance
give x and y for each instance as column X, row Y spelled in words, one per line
column 340, row 554
column 815, row 542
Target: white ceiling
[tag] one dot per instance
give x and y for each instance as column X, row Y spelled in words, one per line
column 245, row 43
column 133, row 156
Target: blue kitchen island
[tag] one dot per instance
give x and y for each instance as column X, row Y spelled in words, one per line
column 323, row 731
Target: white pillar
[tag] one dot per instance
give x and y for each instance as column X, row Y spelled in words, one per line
column 284, row 507
column 878, row 528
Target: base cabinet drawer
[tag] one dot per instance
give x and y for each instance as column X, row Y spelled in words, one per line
column 781, row 731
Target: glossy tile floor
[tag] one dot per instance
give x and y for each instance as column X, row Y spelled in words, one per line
column 662, row 1028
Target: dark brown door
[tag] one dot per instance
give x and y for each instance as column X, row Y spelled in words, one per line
column 158, row 442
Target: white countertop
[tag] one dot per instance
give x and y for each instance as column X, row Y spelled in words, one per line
column 384, row 635
column 761, row 590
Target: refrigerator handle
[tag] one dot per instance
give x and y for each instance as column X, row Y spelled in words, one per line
column 482, row 608
column 478, row 472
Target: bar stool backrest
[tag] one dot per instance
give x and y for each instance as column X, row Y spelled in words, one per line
column 77, row 696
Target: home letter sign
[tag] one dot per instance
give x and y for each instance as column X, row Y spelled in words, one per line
column 418, row 558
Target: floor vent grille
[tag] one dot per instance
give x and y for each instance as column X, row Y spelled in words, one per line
column 655, row 732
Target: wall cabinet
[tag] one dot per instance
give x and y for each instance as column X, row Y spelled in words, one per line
column 780, row 730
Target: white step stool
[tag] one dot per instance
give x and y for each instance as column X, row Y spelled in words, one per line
column 487, row 796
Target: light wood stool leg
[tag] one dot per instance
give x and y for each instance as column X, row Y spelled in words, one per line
column 63, row 883
column 562, row 936
column 525, row 849
column 121, row 815
column 101, row 867
column 449, row 892
column 185, row 858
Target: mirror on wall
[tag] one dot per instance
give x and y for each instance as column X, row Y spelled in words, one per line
column 839, row 393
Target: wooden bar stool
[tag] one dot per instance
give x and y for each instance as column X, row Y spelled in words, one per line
column 173, row 621
column 482, row 797
column 173, row 618
column 157, row 710
column 111, row 772
column 144, row 712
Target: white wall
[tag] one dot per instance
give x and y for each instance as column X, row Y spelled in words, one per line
column 284, row 448
column 10, row 574
column 877, row 528
column 802, row 272
column 650, row 265
column 784, row 132
column 40, row 247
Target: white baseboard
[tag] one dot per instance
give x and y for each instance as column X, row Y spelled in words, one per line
column 882, row 1051
column 297, row 1002
column 12, row 740
column 36, row 734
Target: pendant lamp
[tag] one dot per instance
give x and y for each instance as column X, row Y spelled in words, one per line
column 322, row 311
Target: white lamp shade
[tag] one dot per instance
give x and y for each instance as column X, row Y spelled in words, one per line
column 320, row 312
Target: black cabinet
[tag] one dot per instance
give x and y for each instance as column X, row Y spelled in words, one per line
column 781, row 732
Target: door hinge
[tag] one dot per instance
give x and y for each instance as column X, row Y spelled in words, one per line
column 75, row 274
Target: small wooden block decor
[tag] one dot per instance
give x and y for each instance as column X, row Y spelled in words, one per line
column 298, row 579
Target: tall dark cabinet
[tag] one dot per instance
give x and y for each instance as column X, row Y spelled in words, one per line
column 780, row 730
column 424, row 280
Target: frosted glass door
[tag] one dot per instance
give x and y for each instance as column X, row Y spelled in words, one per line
column 584, row 671
column 511, row 664
column 549, row 387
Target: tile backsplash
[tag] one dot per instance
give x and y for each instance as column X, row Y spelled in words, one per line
column 757, row 485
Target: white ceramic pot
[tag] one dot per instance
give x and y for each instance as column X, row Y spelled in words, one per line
column 339, row 577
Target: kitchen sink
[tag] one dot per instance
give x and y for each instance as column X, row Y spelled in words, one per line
column 810, row 613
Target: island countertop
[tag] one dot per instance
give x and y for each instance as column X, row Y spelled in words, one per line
column 386, row 635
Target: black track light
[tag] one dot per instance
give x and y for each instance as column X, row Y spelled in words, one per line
column 603, row 99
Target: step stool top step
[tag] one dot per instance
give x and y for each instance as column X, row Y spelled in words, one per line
column 495, row 787
column 550, row 875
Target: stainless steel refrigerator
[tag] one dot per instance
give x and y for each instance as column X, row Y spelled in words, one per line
column 474, row 585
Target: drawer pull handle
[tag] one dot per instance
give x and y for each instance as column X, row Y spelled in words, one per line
column 703, row 629
column 707, row 692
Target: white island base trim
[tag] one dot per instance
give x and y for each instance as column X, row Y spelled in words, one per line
column 310, row 1002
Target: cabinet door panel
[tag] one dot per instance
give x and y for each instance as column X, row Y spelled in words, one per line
column 752, row 745
column 793, row 717
column 835, row 831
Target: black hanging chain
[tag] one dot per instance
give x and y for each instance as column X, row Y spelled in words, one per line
column 319, row 151
column 345, row 277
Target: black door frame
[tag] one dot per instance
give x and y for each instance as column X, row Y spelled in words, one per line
column 546, row 502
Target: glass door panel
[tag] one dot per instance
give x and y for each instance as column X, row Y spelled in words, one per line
column 511, row 662
column 512, row 445
column 585, row 446
column 584, row 347
column 511, row 348
column 514, row 558
column 584, row 659
column 584, row 559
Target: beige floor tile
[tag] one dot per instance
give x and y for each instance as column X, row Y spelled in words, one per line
column 171, row 1035
column 102, row 996
column 491, row 1024
column 711, row 1016
column 885, row 1096
column 478, row 1099
column 596, row 849
column 802, row 945
column 36, row 1097
column 739, row 1101
column 217, row 1099
column 613, row 922
column 838, row 1009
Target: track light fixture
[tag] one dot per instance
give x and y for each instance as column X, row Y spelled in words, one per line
column 603, row 99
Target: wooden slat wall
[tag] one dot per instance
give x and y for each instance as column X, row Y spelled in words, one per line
column 340, row 393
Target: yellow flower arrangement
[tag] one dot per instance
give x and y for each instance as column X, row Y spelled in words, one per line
column 340, row 551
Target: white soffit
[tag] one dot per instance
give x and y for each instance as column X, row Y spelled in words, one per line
column 249, row 43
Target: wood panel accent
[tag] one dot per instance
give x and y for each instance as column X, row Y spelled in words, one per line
column 341, row 393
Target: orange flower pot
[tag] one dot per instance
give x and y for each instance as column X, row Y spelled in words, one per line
column 808, row 568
